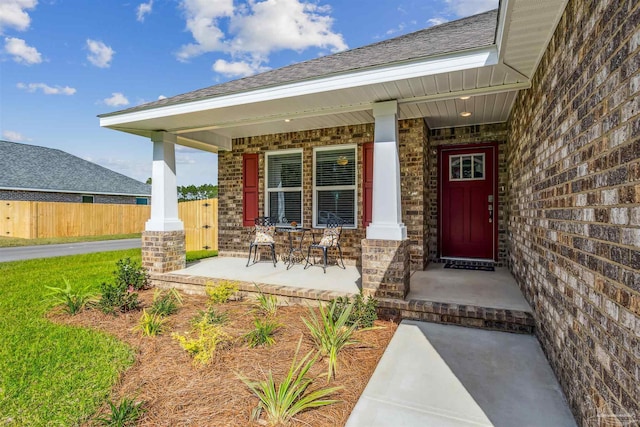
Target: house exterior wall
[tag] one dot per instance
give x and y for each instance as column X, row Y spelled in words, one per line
column 574, row 207
column 495, row 133
column 233, row 237
column 42, row 196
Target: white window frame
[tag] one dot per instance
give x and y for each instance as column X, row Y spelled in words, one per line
column 473, row 156
column 268, row 190
column 336, row 187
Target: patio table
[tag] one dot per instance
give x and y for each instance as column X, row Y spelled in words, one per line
column 296, row 238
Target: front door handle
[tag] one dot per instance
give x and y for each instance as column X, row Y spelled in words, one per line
column 490, row 213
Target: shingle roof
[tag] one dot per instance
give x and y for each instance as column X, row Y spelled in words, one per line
column 41, row 168
column 464, row 34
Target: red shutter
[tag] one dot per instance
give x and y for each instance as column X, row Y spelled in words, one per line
column 250, row 180
column 367, row 183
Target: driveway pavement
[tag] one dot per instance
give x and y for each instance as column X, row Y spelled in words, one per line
column 48, row 251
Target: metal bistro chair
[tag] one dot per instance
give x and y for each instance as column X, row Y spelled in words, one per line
column 264, row 231
column 330, row 239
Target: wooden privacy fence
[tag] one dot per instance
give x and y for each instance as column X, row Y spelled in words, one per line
column 30, row 220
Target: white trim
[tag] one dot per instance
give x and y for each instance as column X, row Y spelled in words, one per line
column 300, row 189
column 354, row 187
column 72, row 191
column 461, row 60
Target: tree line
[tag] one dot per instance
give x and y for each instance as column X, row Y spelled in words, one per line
column 195, row 192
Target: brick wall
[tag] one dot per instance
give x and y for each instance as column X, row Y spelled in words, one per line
column 574, row 158
column 461, row 136
column 233, row 238
column 42, row 196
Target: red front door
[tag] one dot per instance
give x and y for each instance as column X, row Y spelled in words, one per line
column 468, row 202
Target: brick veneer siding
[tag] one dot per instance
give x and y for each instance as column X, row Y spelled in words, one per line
column 163, row 251
column 496, row 133
column 574, row 222
column 385, row 268
column 233, row 237
column 43, row 196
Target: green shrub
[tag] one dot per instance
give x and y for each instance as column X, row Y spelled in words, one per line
column 124, row 414
column 131, row 275
column 220, row 292
column 116, row 298
column 263, row 332
column 165, row 303
column 268, row 304
column 329, row 335
column 150, row 324
column 363, row 313
column 283, row 400
column 203, row 347
column 210, row 316
column 72, row 300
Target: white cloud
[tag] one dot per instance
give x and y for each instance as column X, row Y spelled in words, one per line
column 144, row 9
column 161, row 97
column 46, row 89
column 437, row 21
column 13, row 14
column 136, row 169
column 471, row 7
column 238, row 68
column 21, row 52
column 255, row 30
column 14, row 136
column 117, row 99
column 100, row 54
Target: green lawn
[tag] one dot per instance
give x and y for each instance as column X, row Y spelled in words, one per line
column 6, row 242
column 52, row 375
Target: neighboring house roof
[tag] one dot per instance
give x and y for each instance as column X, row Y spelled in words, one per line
column 30, row 167
column 464, row 34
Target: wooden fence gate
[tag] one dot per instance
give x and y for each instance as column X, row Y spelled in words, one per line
column 200, row 218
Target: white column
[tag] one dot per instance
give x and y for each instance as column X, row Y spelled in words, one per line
column 386, row 218
column 164, row 190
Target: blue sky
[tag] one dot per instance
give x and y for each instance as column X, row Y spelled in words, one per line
column 63, row 62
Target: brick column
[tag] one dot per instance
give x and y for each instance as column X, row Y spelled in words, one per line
column 385, row 268
column 163, row 251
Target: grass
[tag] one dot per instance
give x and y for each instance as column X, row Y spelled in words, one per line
column 9, row 242
column 196, row 255
column 52, row 374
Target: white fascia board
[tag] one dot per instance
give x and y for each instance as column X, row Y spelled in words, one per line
column 88, row 193
column 475, row 58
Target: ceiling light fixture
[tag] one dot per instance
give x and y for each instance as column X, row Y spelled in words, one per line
column 287, row 120
column 465, row 97
column 465, row 113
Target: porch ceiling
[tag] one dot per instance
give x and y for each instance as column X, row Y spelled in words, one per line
column 430, row 88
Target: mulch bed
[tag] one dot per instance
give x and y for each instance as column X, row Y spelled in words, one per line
column 176, row 392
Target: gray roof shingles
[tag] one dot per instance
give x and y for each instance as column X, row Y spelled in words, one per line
column 464, row 34
column 41, row 168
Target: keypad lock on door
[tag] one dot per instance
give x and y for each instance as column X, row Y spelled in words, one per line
column 490, row 206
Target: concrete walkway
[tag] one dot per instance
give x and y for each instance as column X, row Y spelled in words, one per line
column 48, row 251
column 450, row 376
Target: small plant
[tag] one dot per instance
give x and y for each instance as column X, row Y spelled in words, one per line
column 131, row 275
column 329, row 335
column 150, row 324
column 263, row 332
column 267, row 303
column 221, row 292
column 203, row 347
column 72, row 300
column 210, row 316
column 283, row 400
column 116, row 298
column 165, row 303
column 123, row 414
column 363, row 314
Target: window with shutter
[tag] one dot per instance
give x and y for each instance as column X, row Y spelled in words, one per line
column 250, row 182
column 335, row 185
column 284, row 186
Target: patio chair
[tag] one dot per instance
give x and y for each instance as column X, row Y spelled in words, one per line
column 264, row 230
column 330, row 239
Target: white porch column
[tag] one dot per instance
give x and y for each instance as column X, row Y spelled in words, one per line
column 164, row 190
column 386, row 218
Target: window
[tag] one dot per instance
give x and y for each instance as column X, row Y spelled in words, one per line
column 335, row 185
column 466, row 168
column 284, row 186
column 142, row 200
column 87, row 199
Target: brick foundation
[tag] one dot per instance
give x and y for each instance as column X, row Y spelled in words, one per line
column 385, row 268
column 163, row 251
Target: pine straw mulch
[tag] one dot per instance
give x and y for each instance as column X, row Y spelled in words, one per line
column 178, row 393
